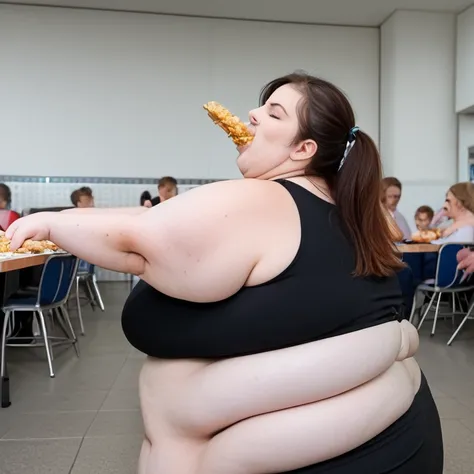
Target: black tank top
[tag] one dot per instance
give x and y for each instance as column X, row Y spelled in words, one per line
column 315, row 297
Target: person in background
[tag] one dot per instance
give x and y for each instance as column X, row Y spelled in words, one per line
column 167, row 188
column 423, row 217
column 82, row 197
column 5, row 196
column 145, row 199
column 459, row 207
column 391, row 194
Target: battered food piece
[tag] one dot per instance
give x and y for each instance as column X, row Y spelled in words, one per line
column 231, row 124
column 29, row 246
column 426, row 236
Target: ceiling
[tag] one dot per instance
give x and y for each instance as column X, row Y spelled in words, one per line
column 338, row 12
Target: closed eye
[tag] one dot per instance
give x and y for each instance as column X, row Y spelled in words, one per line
column 274, row 116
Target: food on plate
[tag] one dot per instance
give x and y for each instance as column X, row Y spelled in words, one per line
column 29, row 246
column 426, row 236
column 231, row 124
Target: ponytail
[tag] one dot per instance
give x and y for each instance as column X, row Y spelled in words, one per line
column 357, row 196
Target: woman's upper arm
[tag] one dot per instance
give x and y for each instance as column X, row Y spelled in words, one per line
column 203, row 245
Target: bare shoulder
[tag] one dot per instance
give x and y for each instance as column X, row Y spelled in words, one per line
column 228, row 201
column 231, row 191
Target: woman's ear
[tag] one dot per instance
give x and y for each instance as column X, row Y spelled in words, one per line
column 304, row 151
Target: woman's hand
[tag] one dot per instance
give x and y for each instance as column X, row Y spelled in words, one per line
column 35, row 226
column 465, row 258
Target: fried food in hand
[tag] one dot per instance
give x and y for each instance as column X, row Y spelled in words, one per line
column 426, row 236
column 29, row 246
column 231, row 124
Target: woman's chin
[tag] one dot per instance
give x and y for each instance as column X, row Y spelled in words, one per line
column 243, row 148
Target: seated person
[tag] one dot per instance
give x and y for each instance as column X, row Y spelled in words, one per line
column 5, row 197
column 423, row 217
column 82, row 197
column 459, row 206
column 167, row 188
column 145, row 199
column 391, row 194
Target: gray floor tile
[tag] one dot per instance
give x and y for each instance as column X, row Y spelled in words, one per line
column 458, row 444
column 38, row 456
column 468, row 401
column 122, row 399
column 49, row 425
column 124, row 422
column 468, row 422
column 86, row 400
column 109, row 455
column 128, row 376
column 451, row 408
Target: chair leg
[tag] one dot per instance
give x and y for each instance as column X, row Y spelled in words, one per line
column 90, row 292
column 78, row 301
column 461, row 325
column 426, row 311
column 413, row 307
column 95, row 286
column 46, row 343
column 65, row 314
column 436, row 314
column 454, row 306
column 61, row 322
column 4, row 344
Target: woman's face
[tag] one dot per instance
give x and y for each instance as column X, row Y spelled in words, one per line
column 452, row 207
column 272, row 152
column 392, row 197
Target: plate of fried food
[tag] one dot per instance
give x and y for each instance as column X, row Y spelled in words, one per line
column 426, row 236
column 236, row 130
column 29, row 247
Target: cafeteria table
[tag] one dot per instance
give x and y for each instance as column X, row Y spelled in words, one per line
column 9, row 278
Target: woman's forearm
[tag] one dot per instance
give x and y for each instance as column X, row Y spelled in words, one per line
column 103, row 240
column 106, row 210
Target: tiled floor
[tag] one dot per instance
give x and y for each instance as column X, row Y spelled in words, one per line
column 87, row 419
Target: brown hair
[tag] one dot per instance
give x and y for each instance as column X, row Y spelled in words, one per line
column 464, row 193
column 167, row 180
column 389, row 182
column 326, row 116
column 78, row 193
column 425, row 210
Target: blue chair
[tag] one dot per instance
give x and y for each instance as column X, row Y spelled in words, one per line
column 53, row 292
column 86, row 276
column 448, row 280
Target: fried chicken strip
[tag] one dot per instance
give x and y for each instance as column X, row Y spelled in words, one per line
column 231, row 124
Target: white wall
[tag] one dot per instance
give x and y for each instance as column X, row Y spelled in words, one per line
column 418, row 123
column 465, row 61
column 465, row 140
column 93, row 93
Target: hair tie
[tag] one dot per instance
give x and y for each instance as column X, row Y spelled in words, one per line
column 350, row 143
